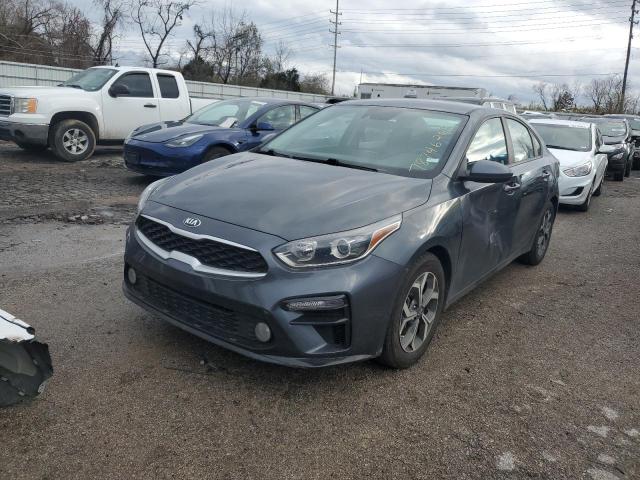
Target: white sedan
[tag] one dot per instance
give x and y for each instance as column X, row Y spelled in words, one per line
column 582, row 154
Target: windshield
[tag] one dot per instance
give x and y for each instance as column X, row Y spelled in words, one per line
column 90, row 80
column 401, row 141
column 227, row 113
column 565, row 137
column 613, row 128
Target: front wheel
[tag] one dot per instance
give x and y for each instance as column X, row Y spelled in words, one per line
column 542, row 238
column 73, row 140
column 618, row 176
column 627, row 170
column 215, row 152
column 416, row 314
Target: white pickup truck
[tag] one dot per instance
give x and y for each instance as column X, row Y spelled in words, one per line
column 101, row 105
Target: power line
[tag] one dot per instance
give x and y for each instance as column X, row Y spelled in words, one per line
column 523, row 75
column 491, row 5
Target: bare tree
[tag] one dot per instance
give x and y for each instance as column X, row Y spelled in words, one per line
column 541, row 89
column 112, row 17
column 156, row 20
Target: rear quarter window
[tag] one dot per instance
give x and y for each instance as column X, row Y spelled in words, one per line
column 168, row 86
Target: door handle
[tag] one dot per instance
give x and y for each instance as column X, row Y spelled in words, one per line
column 546, row 174
column 149, row 105
column 509, row 188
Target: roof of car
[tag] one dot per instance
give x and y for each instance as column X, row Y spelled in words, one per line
column 566, row 123
column 439, row 105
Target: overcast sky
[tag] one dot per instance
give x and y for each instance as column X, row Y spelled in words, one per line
column 454, row 42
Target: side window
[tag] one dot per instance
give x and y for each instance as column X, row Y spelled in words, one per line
column 280, row 117
column 168, row 86
column 306, row 111
column 521, row 139
column 138, row 83
column 489, row 143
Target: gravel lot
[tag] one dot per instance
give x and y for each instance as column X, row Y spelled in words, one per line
column 533, row 375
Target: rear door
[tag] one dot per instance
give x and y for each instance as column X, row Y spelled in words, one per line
column 532, row 176
column 488, row 209
column 125, row 113
column 174, row 98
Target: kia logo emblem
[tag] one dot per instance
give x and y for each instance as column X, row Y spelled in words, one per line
column 192, row 222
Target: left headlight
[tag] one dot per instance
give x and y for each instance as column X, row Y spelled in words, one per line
column 337, row 248
column 146, row 193
column 579, row 171
column 25, row 105
column 185, row 141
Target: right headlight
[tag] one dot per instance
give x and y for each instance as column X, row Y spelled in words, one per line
column 337, row 248
column 146, row 193
column 579, row 171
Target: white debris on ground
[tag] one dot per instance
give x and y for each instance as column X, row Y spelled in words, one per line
column 506, row 462
column 598, row 474
column 610, row 413
column 632, row 432
column 602, row 431
column 606, row 459
column 14, row 329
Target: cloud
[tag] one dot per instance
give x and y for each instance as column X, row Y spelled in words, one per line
column 420, row 43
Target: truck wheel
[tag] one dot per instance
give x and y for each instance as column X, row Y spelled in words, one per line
column 73, row 140
column 32, row 147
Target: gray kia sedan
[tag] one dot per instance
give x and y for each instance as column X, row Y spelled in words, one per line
column 346, row 236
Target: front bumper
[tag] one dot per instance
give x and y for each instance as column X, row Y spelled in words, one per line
column 225, row 311
column 574, row 190
column 159, row 160
column 33, row 133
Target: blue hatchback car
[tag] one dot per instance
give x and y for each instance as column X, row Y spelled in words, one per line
column 167, row 148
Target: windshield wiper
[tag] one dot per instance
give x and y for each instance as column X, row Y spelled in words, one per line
column 338, row 163
column 73, row 85
column 274, row 153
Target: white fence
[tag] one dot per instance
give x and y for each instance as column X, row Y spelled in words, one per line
column 14, row 74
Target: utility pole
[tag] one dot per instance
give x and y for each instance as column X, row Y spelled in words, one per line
column 632, row 22
column 335, row 46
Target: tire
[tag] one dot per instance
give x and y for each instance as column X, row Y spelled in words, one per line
column 636, row 163
column 545, row 227
column 32, row 147
column 598, row 191
column 584, row 207
column 403, row 351
column 73, row 140
column 215, row 152
column 627, row 169
column 618, row 176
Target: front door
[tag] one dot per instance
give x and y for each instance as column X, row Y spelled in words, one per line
column 488, row 210
column 125, row 113
column 278, row 118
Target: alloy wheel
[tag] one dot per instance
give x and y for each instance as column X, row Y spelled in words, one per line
column 419, row 311
column 75, row 141
column 544, row 234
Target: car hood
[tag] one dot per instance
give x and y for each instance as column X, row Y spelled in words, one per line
column 165, row 131
column 290, row 198
column 570, row 158
column 42, row 91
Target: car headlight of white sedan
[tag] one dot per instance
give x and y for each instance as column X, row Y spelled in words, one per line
column 579, row 170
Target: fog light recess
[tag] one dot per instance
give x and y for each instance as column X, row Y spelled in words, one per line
column 263, row 332
column 132, row 276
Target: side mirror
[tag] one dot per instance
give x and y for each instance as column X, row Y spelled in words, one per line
column 606, row 149
column 486, row 171
column 119, row 90
column 264, row 126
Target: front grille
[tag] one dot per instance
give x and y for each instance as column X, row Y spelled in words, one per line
column 208, row 252
column 215, row 320
column 5, row 105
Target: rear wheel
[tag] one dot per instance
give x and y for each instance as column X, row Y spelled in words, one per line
column 215, row 152
column 416, row 313
column 73, row 140
column 542, row 238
